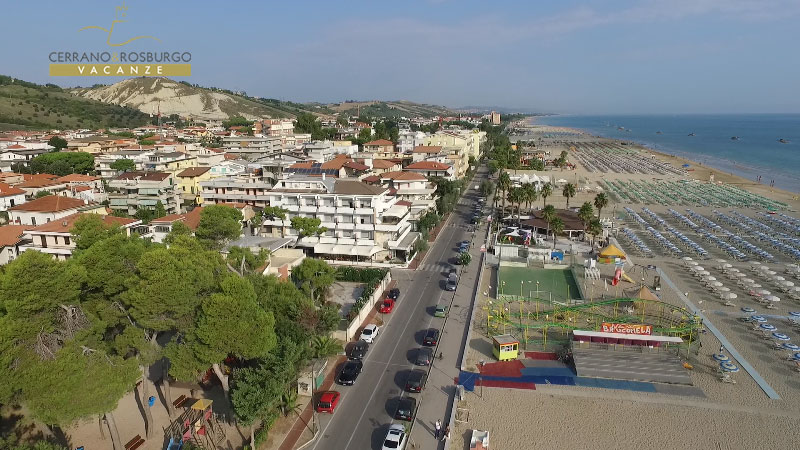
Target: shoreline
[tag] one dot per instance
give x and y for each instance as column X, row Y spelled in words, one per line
column 718, row 165
column 698, row 171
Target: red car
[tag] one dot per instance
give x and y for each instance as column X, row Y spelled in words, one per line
column 327, row 401
column 387, row 306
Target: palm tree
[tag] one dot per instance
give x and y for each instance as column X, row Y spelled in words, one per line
column 557, row 225
column 569, row 191
column 600, row 202
column 595, row 229
column 530, row 194
column 547, row 190
column 548, row 214
column 322, row 346
column 504, row 184
column 586, row 214
column 516, row 196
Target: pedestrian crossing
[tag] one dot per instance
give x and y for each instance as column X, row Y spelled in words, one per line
column 439, row 266
column 462, row 225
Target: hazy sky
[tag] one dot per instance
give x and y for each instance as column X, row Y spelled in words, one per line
column 617, row 56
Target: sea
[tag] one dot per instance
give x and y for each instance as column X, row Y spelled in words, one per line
column 756, row 151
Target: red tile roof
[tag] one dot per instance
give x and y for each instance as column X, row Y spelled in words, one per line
column 39, row 176
column 16, row 147
column 64, row 224
column 194, row 171
column 406, row 176
column 379, row 142
column 11, row 234
column 427, row 165
column 147, row 176
column 356, row 165
column 230, row 156
column 76, row 177
column 190, row 219
column 6, row 190
column 50, row 203
column 371, row 179
column 403, row 203
column 41, row 182
column 383, row 164
column 336, row 163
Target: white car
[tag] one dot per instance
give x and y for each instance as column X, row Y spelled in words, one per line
column 370, row 333
column 395, row 438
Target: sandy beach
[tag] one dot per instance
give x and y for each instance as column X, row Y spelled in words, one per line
column 726, row 415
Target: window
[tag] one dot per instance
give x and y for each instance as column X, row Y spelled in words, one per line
column 66, row 240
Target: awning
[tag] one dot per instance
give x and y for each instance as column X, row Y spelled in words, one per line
column 407, row 241
column 366, row 250
column 343, row 250
column 323, row 248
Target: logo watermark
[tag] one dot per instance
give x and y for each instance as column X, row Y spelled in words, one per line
column 117, row 62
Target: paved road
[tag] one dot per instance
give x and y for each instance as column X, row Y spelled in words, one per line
column 366, row 409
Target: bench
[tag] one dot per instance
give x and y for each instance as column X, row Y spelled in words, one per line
column 179, row 401
column 134, row 443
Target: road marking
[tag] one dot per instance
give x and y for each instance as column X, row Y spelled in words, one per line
column 383, row 372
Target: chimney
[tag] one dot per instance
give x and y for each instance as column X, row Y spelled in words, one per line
column 368, row 162
column 323, row 176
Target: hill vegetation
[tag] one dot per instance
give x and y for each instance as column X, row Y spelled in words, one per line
column 35, row 106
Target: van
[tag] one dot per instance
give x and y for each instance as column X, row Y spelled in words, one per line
column 452, row 282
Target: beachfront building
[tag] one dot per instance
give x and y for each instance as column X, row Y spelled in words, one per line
column 364, row 223
column 408, row 186
column 189, row 183
column 168, row 161
column 143, row 190
column 103, row 162
column 251, row 147
column 248, row 189
column 55, row 237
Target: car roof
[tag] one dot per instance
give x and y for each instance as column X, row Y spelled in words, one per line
column 328, row 395
column 432, row 331
column 411, row 400
column 397, row 427
column 371, row 326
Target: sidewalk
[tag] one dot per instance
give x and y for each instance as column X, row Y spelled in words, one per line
column 437, row 398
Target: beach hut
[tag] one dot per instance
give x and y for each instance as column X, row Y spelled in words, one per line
column 611, row 252
column 505, row 347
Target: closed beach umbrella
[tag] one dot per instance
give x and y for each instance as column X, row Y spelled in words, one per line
column 728, row 366
column 768, row 327
column 781, row 337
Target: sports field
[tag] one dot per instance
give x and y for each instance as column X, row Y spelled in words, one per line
column 522, row 281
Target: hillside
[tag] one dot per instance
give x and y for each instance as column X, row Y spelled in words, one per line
column 30, row 105
column 400, row 108
column 150, row 95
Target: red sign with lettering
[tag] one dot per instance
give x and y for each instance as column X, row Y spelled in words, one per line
column 627, row 328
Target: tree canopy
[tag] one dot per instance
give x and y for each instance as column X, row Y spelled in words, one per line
column 123, row 165
column 63, row 163
column 218, row 225
column 57, row 142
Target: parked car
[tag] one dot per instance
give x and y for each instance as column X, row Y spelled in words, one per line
column 349, row 373
column 396, row 438
column 431, row 337
column 406, row 407
column 359, row 350
column 327, row 401
column 394, row 293
column 424, row 356
column 441, row 311
column 370, row 333
column 416, row 381
column 387, row 305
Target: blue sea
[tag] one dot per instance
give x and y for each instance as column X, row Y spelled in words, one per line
column 756, row 152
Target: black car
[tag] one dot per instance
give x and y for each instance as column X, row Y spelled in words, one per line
column 358, row 350
column 394, row 294
column 416, row 381
column 350, row 372
column 431, row 337
column 424, row 356
column 406, row 407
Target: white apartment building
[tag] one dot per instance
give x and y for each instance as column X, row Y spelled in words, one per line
column 248, row 189
column 134, row 190
column 252, row 147
column 103, row 162
column 55, row 237
column 364, row 223
column 408, row 139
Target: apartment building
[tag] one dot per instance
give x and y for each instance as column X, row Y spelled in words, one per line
column 50, row 208
column 408, row 140
column 55, row 237
column 363, row 222
column 432, row 169
column 10, row 196
column 381, row 149
column 168, row 161
column 251, row 147
column 189, row 183
column 103, row 162
column 408, row 185
column 250, row 189
column 135, row 190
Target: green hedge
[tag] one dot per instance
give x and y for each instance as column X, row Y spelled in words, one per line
column 371, row 277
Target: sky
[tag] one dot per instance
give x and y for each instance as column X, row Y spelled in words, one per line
column 582, row 57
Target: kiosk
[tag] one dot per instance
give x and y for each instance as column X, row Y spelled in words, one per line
column 505, row 347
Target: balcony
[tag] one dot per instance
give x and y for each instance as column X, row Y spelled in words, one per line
column 327, row 209
column 365, row 226
column 364, row 211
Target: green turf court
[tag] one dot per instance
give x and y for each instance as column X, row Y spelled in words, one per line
column 521, row 281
